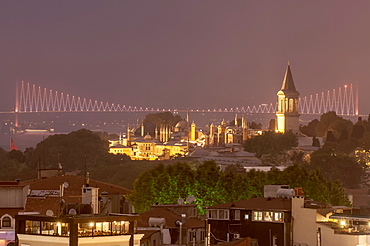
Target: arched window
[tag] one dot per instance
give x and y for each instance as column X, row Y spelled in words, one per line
column 6, row 222
column 291, row 105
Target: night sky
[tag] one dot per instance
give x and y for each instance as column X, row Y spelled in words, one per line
column 184, row 54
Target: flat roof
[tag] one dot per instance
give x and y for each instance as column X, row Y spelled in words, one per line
column 85, row 218
column 353, row 217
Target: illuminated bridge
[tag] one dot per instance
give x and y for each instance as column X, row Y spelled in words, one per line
column 31, row 98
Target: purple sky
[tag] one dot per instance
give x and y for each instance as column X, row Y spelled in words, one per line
column 184, row 53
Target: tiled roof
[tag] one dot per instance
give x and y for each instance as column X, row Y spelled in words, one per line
column 238, row 242
column 259, row 203
column 10, row 184
column 11, row 211
column 75, row 184
column 41, row 205
column 170, row 217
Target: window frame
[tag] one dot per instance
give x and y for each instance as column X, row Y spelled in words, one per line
column 8, row 220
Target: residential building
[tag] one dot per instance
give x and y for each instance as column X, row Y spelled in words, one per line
column 266, row 219
column 13, row 200
column 55, row 196
column 56, row 193
column 283, row 218
column 178, row 224
column 74, row 230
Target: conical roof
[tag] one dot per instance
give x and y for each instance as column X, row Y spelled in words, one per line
column 288, row 82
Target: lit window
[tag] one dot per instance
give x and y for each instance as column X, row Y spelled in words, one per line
column 278, row 216
column 268, row 216
column 257, row 216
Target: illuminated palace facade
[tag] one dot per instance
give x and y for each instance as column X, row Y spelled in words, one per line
column 169, row 142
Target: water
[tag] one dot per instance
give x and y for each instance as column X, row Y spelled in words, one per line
column 112, row 123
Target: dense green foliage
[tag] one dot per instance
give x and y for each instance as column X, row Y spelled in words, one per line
column 121, row 173
column 271, row 143
column 336, row 165
column 340, row 134
column 212, row 186
column 310, row 129
column 165, row 118
column 13, row 166
column 72, row 151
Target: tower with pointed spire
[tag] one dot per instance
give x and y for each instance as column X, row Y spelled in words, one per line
column 287, row 115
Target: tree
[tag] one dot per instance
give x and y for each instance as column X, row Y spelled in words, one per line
column 358, row 131
column 165, row 118
column 212, row 186
column 315, row 142
column 326, row 120
column 310, row 129
column 72, row 150
column 13, row 166
column 337, row 166
column 330, row 121
column 254, row 125
column 271, row 143
column 341, row 128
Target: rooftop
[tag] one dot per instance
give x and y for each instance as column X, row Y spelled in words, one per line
column 259, row 203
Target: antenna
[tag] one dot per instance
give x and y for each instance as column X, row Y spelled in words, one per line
column 190, row 199
column 43, row 150
column 180, row 201
column 85, row 169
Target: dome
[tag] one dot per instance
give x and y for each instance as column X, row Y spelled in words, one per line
column 147, row 137
column 182, row 124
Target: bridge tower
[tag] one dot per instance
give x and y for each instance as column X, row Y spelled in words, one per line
column 287, row 116
column 16, row 110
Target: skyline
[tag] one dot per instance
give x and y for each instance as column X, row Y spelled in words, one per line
column 184, row 54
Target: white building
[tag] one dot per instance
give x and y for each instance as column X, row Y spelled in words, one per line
column 74, row 230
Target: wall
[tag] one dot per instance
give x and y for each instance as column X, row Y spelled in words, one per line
column 12, row 197
column 36, row 240
column 304, row 222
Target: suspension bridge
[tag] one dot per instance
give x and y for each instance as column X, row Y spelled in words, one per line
column 31, row 98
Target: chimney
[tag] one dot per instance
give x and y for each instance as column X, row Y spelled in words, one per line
column 90, row 196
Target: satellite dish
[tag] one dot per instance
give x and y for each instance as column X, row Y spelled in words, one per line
column 180, row 201
column 66, row 185
column 49, row 212
column 190, row 199
column 72, row 211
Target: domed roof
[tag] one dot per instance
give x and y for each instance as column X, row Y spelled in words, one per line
column 183, row 124
column 148, row 137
